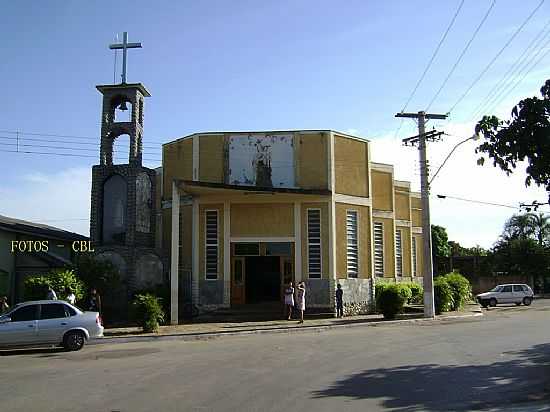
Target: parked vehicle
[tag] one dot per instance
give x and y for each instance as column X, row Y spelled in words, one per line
column 48, row 323
column 510, row 293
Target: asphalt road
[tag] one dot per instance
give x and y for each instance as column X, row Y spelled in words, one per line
column 500, row 362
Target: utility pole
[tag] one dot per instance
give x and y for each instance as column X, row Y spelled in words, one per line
column 429, row 309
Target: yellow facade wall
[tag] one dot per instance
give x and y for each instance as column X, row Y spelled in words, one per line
column 177, row 164
column 419, row 254
column 202, row 246
column 262, row 219
column 402, row 205
column 406, row 246
column 351, row 166
column 382, row 190
column 325, row 269
column 312, row 162
column 364, row 246
column 211, row 158
column 389, row 246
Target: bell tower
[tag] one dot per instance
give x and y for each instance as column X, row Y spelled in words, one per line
column 122, row 221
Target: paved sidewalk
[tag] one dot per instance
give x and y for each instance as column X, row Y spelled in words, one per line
column 195, row 330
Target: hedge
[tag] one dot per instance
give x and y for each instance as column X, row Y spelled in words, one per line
column 443, row 295
column 391, row 299
column 461, row 289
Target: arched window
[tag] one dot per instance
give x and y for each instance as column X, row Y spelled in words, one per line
column 114, row 210
column 122, row 109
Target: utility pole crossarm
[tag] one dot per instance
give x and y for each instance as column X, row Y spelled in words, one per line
column 427, row 116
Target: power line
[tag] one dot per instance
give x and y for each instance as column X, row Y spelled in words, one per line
column 64, row 154
column 499, row 86
column 434, row 54
column 478, row 78
column 461, row 54
column 20, row 133
column 518, row 82
column 19, row 139
column 476, row 201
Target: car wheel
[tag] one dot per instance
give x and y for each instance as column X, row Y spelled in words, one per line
column 74, row 340
column 492, row 302
column 527, row 300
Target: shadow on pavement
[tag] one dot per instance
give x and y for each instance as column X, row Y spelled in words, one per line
column 430, row 387
column 46, row 352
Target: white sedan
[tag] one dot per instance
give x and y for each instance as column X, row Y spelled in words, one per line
column 47, row 323
column 511, row 293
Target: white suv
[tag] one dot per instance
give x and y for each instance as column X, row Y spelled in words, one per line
column 510, row 293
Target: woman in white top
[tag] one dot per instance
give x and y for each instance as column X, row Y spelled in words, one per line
column 71, row 298
column 289, row 299
column 301, row 300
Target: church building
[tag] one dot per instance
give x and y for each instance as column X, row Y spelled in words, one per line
column 229, row 218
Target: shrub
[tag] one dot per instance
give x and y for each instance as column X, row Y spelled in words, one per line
column 149, row 312
column 417, row 293
column 160, row 291
column 391, row 300
column 379, row 287
column 461, row 289
column 443, row 295
column 36, row 286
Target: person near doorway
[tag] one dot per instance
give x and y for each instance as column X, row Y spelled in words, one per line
column 301, row 300
column 94, row 301
column 51, row 294
column 4, row 307
column 339, row 301
column 289, row 300
column 71, row 298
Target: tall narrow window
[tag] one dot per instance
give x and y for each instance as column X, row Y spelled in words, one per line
column 414, row 256
column 398, row 253
column 352, row 249
column 314, row 243
column 211, row 237
column 378, row 249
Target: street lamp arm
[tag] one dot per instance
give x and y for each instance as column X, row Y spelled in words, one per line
column 449, row 155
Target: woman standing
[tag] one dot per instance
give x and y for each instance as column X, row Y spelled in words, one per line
column 301, row 300
column 289, row 299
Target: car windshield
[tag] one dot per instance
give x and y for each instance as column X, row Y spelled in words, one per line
column 496, row 289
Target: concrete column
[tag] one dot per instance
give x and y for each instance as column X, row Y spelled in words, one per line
column 195, row 251
column 332, row 239
column 196, row 158
column 175, row 254
column 226, row 253
column 297, row 242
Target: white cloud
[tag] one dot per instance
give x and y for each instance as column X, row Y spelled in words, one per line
column 466, row 222
column 58, row 199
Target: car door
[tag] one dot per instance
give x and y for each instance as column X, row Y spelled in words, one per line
column 22, row 327
column 506, row 295
column 519, row 293
column 53, row 322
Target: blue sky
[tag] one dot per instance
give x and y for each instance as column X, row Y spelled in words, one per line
column 249, row 65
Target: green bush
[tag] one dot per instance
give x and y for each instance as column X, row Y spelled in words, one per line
column 379, row 287
column 36, row 286
column 417, row 293
column 461, row 289
column 391, row 299
column 443, row 295
column 161, row 291
column 148, row 310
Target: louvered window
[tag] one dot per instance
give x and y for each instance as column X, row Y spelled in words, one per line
column 414, row 272
column 352, row 248
column 211, row 237
column 314, row 243
column 398, row 253
column 378, row 249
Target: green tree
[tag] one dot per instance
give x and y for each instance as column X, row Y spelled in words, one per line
column 440, row 241
column 540, row 224
column 523, row 137
column 520, row 257
column 518, row 227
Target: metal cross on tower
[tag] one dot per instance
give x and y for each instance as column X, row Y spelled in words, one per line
column 124, row 46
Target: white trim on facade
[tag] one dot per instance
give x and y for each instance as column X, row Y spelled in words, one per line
column 402, row 183
column 332, row 212
column 405, row 223
column 196, row 157
column 255, row 239
column 383, row 214
column 352, row 200
column 417, row 230
column 382, row 167
column 174, row 258
column 195, row 252
column 226, row 253
column 297, row 242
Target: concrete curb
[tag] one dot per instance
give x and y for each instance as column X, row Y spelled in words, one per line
column 188, row 337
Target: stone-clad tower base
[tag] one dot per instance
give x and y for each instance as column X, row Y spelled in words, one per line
column 123, row 211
